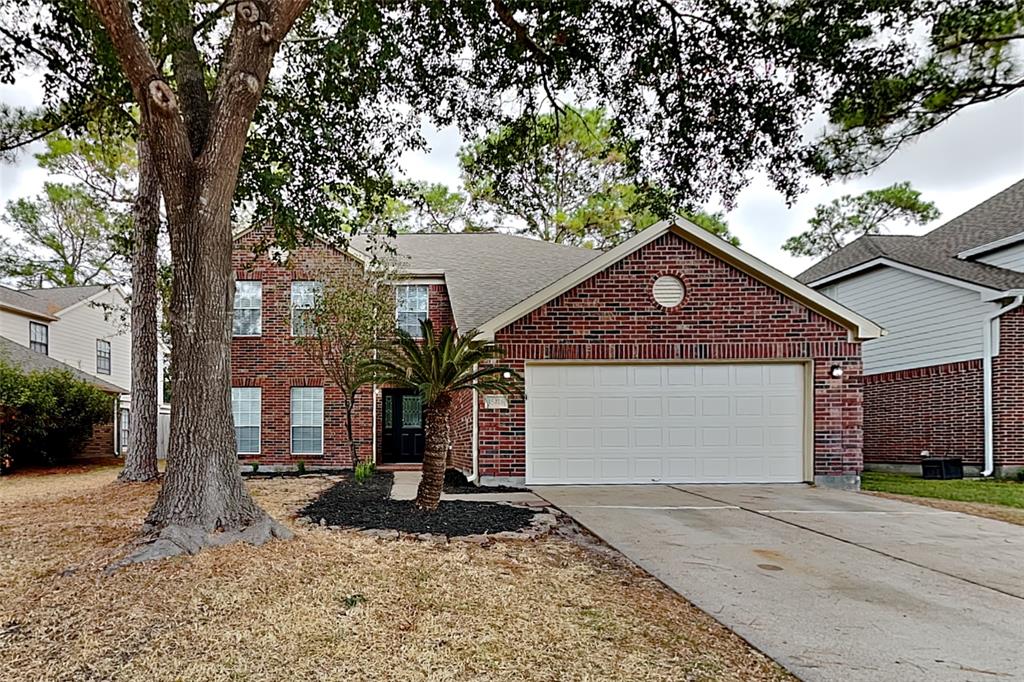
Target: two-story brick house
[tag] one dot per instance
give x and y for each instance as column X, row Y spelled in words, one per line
column 674, row 357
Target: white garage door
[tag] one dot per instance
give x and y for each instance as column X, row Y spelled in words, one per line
column 712, row 423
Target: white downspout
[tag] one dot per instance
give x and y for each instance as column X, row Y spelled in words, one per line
column 474, row 447
column 990, row 460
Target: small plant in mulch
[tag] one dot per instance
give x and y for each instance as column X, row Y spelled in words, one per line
column 365, row 471
column 369, row 505
column 456, row 483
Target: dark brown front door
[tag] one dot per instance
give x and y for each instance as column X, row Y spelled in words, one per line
column 402, row 438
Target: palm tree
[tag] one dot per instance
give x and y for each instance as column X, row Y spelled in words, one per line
column 439, row 366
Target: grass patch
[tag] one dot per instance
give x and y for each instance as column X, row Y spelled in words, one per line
column 327, row 605
column 984, row 491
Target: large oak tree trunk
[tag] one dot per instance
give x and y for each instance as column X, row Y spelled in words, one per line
column 197, row 141
column 140, row 461
column 435, row 454
column 203, row 490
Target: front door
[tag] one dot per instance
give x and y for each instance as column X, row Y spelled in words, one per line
column 402, row 439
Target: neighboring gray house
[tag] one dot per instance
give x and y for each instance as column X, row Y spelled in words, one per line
column 948, row 378
column 85, row 328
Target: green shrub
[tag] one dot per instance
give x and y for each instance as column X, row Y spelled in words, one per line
column 1020, row 475
column 300, row 466
column 255, row 466
column 364, row 470
column 46, row 417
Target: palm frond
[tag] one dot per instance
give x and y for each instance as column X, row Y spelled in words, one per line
column 444, row 362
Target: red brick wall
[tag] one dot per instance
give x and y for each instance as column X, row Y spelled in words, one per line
column 726, row 315
column 462, row 432
column 1008, row 391
column 275, row 362
column 936, row 408
column 101, row 443
column 941, row 408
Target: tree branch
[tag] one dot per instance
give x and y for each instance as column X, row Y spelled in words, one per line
column 522, row 35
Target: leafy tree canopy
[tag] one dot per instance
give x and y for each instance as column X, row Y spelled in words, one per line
column 74, row 233
column 969, row 53
column 574, row 183
column 835, row 223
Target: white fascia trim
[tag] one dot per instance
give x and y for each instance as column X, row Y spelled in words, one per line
column 843, row 274
column 28, row 313
column 861, row 327
column 991, row 246
column 115, row 288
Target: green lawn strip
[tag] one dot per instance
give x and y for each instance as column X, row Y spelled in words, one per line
column 987, row 491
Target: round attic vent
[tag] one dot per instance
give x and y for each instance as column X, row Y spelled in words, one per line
column 668, row 291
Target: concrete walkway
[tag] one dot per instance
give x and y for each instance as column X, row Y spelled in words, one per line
column 833, row 585
column 406, row 482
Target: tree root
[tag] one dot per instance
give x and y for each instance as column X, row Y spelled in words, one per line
column 173, row 541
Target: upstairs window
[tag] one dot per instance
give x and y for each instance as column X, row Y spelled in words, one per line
column 303, row 300
column 39, row 337
column 248, row 319
column 411, row 302
column 245, row 410
column 102, row 356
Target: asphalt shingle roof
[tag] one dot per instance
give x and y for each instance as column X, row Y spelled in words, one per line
column 30, row 361
column 995, row 218
column 47, row 301
column 486, row 273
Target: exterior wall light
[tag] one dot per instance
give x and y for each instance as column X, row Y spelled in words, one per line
column 836, row 371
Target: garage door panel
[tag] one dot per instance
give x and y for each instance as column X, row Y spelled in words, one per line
column 664, row 423
column 715, row 406
column 614, row 406
column 578, row 406
column 647, row 406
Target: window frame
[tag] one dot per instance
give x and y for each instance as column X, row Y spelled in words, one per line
column 314, row 287
column 235, row 309
column 33, row 343
column 259, row 419
column 417, row 333
column 109, row 357
column 292, row 425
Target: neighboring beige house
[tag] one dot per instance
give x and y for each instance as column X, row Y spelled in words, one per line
column 86, row 328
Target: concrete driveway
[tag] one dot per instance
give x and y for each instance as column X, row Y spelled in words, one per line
column 834, row 585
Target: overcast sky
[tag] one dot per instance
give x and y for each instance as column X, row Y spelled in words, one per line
column 968, row 159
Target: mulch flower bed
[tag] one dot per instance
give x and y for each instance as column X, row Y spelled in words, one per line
column 368, row 505
column 455, row 483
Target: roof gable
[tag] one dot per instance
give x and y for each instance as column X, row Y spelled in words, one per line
column 859, row 326
column 943, row 250
column 48, row 303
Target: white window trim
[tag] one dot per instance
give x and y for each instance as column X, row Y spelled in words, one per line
column 46, row 328
column 291, row 423
column 259, row 331
column 259, row 427
column 110, row 357
column 291, row 304
column 418, row 334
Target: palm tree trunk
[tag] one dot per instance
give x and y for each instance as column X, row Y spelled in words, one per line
column 435, row 417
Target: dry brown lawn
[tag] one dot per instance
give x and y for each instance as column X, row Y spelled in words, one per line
column 327, row 605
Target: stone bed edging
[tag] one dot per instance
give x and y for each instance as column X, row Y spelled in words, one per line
column 542, row 523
